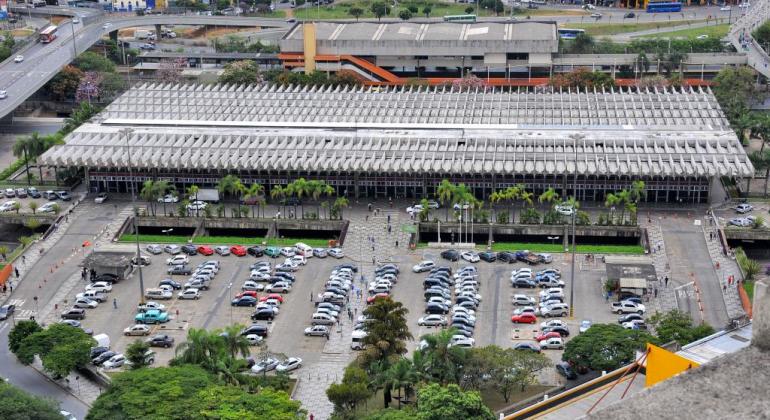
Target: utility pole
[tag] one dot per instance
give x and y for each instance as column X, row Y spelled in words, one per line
column 126, row 132
column 575, row 138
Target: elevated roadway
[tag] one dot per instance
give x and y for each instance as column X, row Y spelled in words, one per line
column 43, row 61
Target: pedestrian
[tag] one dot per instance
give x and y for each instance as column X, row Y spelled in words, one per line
column 115, row 303
column 311, row 296
column 372, row 248
column 396, row 243
column 367, row 217
column 16, row 271
column 24, row 259
column 607, row 297
column 388, row 219
column 5, row 288
column 312, row 417
column 655, row 292
column 389, row 229
column 370, row 209
column 666, row 281
column 373, row 257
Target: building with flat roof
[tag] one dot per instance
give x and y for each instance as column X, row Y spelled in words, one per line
column 401, row 142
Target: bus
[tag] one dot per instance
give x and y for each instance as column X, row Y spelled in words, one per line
column 565, row 33
column 48, row 34
column 664, row 7
column 460, row 18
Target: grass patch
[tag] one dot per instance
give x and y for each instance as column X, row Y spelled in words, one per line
column 312, row 242
column 7, row 172
column 22, row 32
column 495, row 401
column 715, row 31
column 556, row 248
column 602, row 29
column 748, row 286
column 341, row 10
column 161, row 239
column 224, row 240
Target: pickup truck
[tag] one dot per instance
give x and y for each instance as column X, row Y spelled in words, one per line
column 627, row 307
column 153, row 316
column 528, row 257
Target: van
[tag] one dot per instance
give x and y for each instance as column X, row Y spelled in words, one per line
column 304, row 249
column 357, row 340
column 102, row 340
column 157, row 294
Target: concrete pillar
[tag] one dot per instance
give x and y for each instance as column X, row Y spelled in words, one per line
column 761, row 316
column 355, row 185
column 158, row 31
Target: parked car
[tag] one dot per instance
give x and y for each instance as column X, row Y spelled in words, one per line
column 470, row 256
column 423, row 266
column 336, row 253
column 263, row 315
column 273, row 252
column 450, row 254
column 320, row 253
column 265, row 365
column 154, row 249
column 564, row 369
column 160, row 340
column 137, row 329
column 244, row 300
column 172, row 249
column 744, row 208
column 553, row 343
column 6, row 311
column 152, row 316
column 260, row 330
column 115, row 361
column 168, row 198
column 150, row 305
column 519, row 299
column 179, row 270
column 585, row 325
column 488, row 256
column 33, row 192
column 238, row 250
column 290, row 364
column 74, row 313
column 255, row 251
column 222, row 250
column 317, row 330
column 527, row 346
column 191, row 293
column 64, row 195
column 100, row 286
column 85, row 303
column 100, row 198
column 524, row 318
column 432, row 321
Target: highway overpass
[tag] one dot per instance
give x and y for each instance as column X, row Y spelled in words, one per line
column 43, row 61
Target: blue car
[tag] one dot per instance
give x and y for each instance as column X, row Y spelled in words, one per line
column 244, row 301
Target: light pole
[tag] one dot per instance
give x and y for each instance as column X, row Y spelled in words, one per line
column 167, row 231
column 74, row 46
column 576, row 138
column 126, row 132
column 230, row 293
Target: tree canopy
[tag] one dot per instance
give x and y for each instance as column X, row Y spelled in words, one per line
column 606, row 347
column 91, row 61
column 439, row 403
column 582, row 78
column 22, row 330
column 734, row 89
column 678, row 326
column 16, row 404
column 185, row 392
column 244, row 72
column 61, row 347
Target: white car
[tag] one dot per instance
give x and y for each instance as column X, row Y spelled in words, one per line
column 740, row 222
column 317, row 330
column 154, row 249
column 414, row 209
column 189, row 294
column 744, row 208
column 553, row 343
column 526, row 309
column 564, row 209
column 432, row 320
column 100, row 286
column 724, row 9
column 115, row 361
column 336, row 253
column 100, row 198
column 297, row 259
column 8, row 206
column 75, row 20
column 106, row 25
column 470, row 256
column 253, row 286
column 85, row 303
column 197, row 205
column 152, row 305
column 290, row 364
column 47, row 208
column 169, row 198
column 278, row 287
column 18, row 59
column 265, row 365
column 439, row 300
column 523, row 300
column 172, row 249
column 138, row 329
column 222, row 250
column 254, row 339
column 178, row 260
column 585, row 325
column 426, row 265
column 553, row 323
column 3, row 94
column 432, row 204
column 461, row 341
column 596, row 15
column 288, row 251
column 259, row 276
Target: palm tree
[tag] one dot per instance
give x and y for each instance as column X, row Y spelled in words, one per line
column 33, row 206
column 624, row 197
column 611, row 201
column 161, row 189
column 637, row 191
column 444, row 362
column 299, row 188
column 254, row 191
column 339, row 204
column 234, row 342
column 387, row 332
column 200, row 348
column 192, row 191
column 400, row 376
column 17, row 207
column 231, row 184
column 22, row 148
column 445, row 192
column 549, row 196
column 278, row 193
column 149, row 193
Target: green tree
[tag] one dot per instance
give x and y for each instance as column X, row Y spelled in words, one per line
column 135, row 353
column 405, row 15
column 606, row 347
column 192, row 192
column 61, row 347
column 111, row 85
column 337, row 207
column 79, row 116
column 440, row 403
column 426, row 11
column 356, row 12
column 33, row 206
column 16, row 404
column 91, row 61
column 21, row 330
column 63, row 86
column 243, row 72
column 549, row 196
column 735, row 90
column 380, row 9
column 442, row 362
column 678, row 326
column 257, row 192
column 353, row 390
column 402, row 377
column 234, row 343
column 200, row 348
column 386, row 332
column 761, row 162
column 469, row 10
column 149, row 193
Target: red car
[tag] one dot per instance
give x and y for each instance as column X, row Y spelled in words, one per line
column 205, row 250
column 247, row 293
column 371, row 299
column 545, row 336
column 525, row 318
column 275, row 296
column 238, row 250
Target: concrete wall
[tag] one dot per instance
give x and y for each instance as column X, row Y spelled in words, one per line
column 240, row 223
column 761, row 322
column 481, row 231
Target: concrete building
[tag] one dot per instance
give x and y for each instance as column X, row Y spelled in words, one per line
column 515, row 53
column 401, row 142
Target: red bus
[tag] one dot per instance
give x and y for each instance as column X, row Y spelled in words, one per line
column 48, row 34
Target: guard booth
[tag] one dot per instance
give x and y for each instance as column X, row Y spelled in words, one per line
column 630, row 286
column 112, row 260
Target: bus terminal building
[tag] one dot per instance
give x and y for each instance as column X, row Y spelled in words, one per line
column 401, row 142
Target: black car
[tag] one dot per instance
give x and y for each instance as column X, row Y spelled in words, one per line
column 6, row 311
column 283, row 275
column 564, row 332
column 34, row 193
column 527, row 346
column 529, row 284
column 436, row 309
column 442, row 269
column 263, row 315
column 183, row 270
column 450, row 254
column 386, row 271
column 96, row 351
column 629, row 317
column 565, row 370
column 352, row 267
column 244, row 301
column 160, row 340
column 175, row 284
column 190, row 249
column 427, row 283
column 107, row 277
column 506, row 257
column 387, row 267
column 629, row 15
column 461, row 327
column 463, row 321
column 98, row 360
column 255, row 251
column 488, row 256
column 465, row 333
column 337, row 291
column 463, row 299
column 468, row 304
column 257, row 329
column 74, row 313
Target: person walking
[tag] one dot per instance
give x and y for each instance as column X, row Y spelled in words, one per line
column 666, row 281
column 115, row 303
column 16, row 271
column 396, row 243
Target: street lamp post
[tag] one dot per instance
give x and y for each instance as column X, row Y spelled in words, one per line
column 74, row 46
column 576, row 138
column 126, row 132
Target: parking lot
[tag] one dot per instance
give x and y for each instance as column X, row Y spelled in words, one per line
column 8, row 196
column 213, row 310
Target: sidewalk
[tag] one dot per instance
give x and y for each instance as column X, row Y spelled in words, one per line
column 666, row 300
column 727, row 267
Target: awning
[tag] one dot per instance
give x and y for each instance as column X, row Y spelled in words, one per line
column 632, row 283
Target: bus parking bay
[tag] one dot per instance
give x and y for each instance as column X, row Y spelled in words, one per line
column 213, row 310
